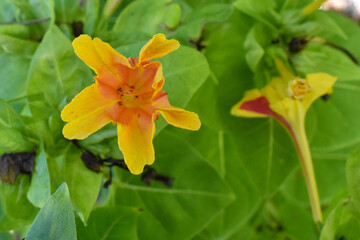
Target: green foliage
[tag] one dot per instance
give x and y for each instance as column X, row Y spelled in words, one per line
column 235, row 178
column 56, row 219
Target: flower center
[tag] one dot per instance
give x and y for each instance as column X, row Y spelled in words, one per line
column 128, row 97
column 298, row 88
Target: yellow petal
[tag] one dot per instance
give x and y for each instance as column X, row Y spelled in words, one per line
column 81, row 128
column 249, row 96
column 275, row 90
column 294, row 111
column 313, row 6
column 180, row 118
column 158, row 47
column 135, row 142
column 85, row 102
column 320, row 83
column 86, row 113
column 283, row 70
column 98, row 55
column 291, row 110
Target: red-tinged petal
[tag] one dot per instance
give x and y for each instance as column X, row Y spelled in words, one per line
column 101, row 57
column 84, row 103
column 253, row 104
column 180, row 118
column 145, row 78
column 158, row 47
column 135, row 142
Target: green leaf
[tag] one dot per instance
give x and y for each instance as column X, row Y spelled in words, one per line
column 342, row 223
column 67, row 11
column 219, row 149
column 264, row 12
column 40, row 190
column 6, row 236
column 324, row 23
column 350, row 28
column 185, row 70
column 254, row 48
column 146, row 16
column 12, row 140
column 12, row 137
column 180, row 211
column 56, row 219
column 91, row 16
column 57, row 69
column 353, row 176
column 317, row 57
column 194, row 22
column 84, row 184
column 15, row 209
column 112, row 222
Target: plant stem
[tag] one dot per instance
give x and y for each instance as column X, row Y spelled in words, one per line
column 302, row 147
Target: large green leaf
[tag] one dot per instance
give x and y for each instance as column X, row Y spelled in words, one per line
column 12, row 131
column 342, row 223
column 57, row 69
column 353, row 176
column 40, row 188
column 351, row 30
column 56, row 75
column 84, row 185
column 146, row 16
column 56, row 219
column 15, row 209
column 317, row 57
column 182, row 210
column 194, row 22
column 110, row 223
column 16, row 55
column 264, row 12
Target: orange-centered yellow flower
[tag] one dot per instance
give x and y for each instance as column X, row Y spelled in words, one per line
column 287, row 99
column 127, row 91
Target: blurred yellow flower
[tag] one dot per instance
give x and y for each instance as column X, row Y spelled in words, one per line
column 287, row 99
column 128, row 92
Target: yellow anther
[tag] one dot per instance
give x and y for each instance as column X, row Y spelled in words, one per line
column 298, row 88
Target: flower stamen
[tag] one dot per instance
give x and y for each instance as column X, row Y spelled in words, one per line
column 298, row 88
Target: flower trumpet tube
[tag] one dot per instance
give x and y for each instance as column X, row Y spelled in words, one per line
column 287, row 99
column 127, row 92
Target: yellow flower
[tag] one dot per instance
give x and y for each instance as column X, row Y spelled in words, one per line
column 128, row 92
column 287, row 99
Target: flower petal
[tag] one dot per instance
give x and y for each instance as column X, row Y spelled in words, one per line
column 98, row 55
column 284, row 72
column 275, row 90
column 320, row 83
column 158, row 47
column 85, row 102
column 86, row 113
column 135, row 142
column 251, row 105
column 81, row 128
column 180, row 118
